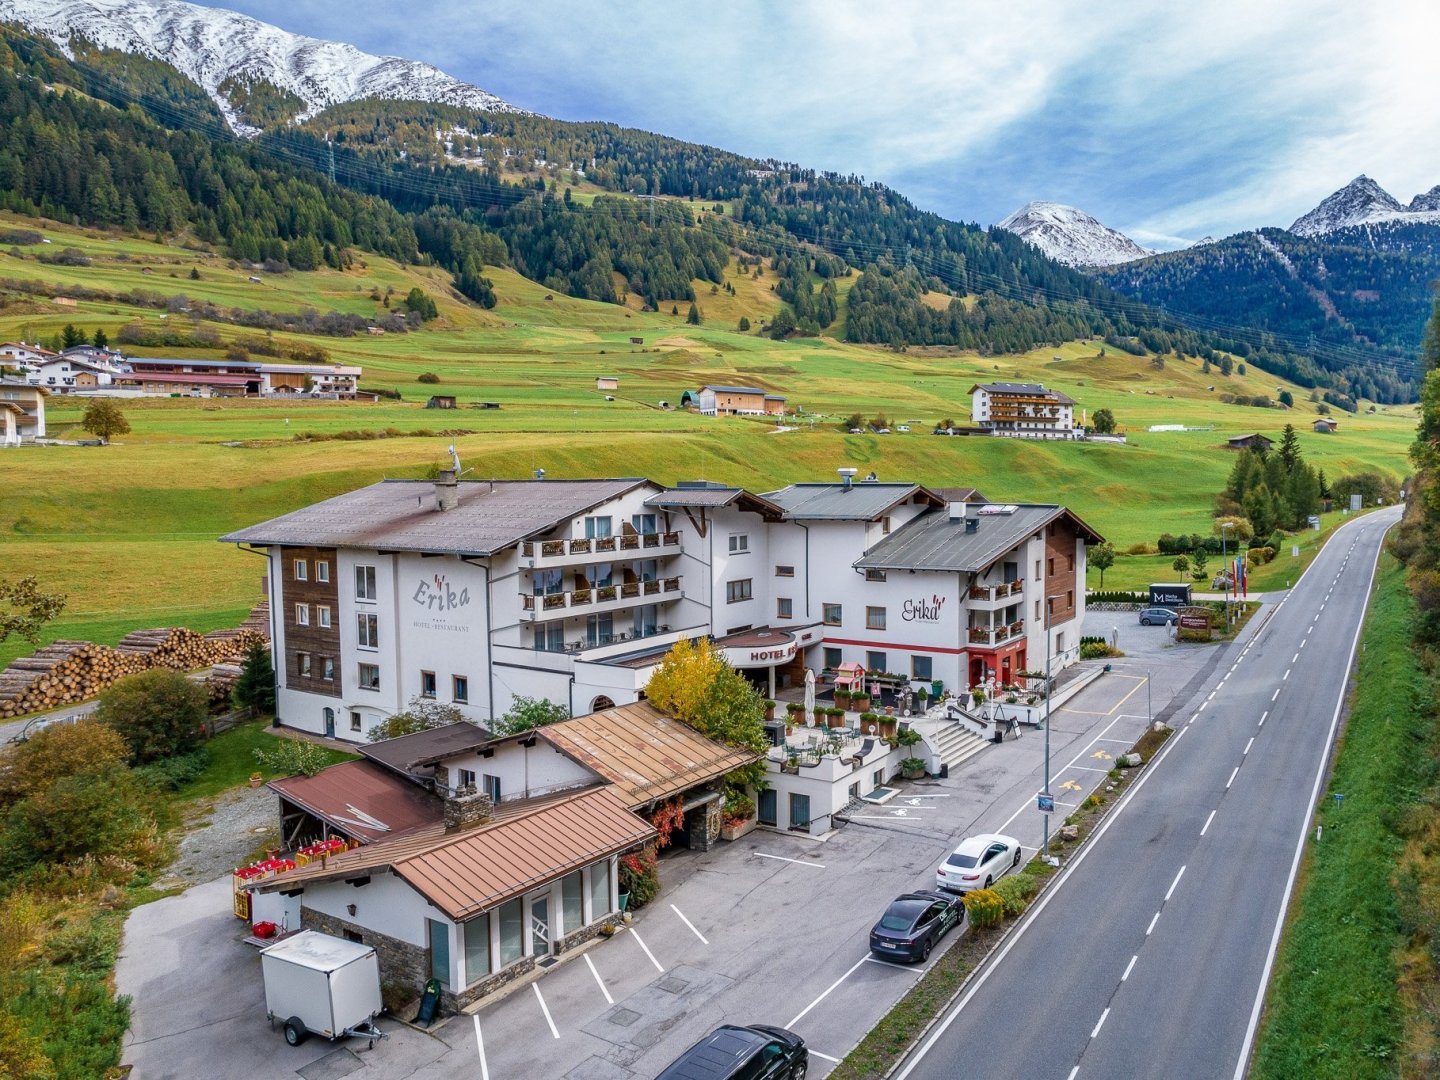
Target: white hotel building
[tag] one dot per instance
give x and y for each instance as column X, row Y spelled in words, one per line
column 475, row 592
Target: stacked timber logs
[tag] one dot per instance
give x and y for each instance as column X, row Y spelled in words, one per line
column 67, row 672
column 219, row 682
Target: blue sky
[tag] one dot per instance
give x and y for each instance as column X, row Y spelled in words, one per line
column 1167, row 121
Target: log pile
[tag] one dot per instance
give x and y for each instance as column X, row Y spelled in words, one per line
column 219, row 682
column 67, row 672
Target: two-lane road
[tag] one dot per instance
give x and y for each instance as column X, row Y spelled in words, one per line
column 1151, row 954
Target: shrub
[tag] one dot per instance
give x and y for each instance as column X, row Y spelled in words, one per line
column 157, row 712
column 20, row 236
column 984, row 907
column 640, row 877
column 172, row 774
column 293, row 757
column 1097, row 650
column 427, row 377
column 1257, row 556
column 421, row 714
column 92, row 814
column 56, row 752
column 1015, row 892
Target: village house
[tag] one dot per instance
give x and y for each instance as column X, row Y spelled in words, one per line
column 65, row 374
column 1252, row 441
column 237, row 378
column 607, row 382
column 474, row 592
column 17, row 354
column 22, row 412
column 1326, row 426
column 1023, row 410
column 737, row 401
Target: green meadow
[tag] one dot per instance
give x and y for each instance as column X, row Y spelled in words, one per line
column 129, row 530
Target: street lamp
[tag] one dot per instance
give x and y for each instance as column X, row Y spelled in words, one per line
column 1224, row 561
column 1049, row 693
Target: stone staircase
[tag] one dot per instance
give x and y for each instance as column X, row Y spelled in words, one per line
column 954, row 743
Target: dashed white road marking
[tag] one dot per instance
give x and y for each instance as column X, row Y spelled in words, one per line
column 1100, row 1023
column 1153, row 921
column 1206, row 826
column 1275, row 694
column 1129, row 967
column 1286, row 675
column 1170, row 891
column 1232, row 777
column 1073, row 1073
column 1245, row 751
column 1263, row 716
column 1295, row 657
column 546, row 1009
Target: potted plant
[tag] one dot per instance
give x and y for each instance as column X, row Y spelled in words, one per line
column 907, row 737
column 922, row 695
column 769, row 709
column 739, row 816
column 842, row 698
column 977, row 697
column 256, row 779
column 835, row 717
column 791, row 763
column 860, row 700
column 912, row 768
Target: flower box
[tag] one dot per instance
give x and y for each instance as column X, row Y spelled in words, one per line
column 735, row 832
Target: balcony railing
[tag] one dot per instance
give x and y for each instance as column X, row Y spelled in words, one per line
column 604, row 596
column 573, row 648
column 584, row 547
column 997, row 592
column 985, row 635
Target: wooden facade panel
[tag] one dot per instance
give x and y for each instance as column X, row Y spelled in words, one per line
column 1060, row 570
column 320, row 643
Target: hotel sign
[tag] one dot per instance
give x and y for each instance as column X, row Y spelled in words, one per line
column 922, row 610
column 766, row 656
column 438, row 598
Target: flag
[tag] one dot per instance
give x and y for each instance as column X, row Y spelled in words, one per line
column 1244, row 579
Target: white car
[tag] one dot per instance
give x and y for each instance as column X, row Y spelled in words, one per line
column 978, row 862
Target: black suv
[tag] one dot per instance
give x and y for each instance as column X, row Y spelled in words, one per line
column 757, row 1052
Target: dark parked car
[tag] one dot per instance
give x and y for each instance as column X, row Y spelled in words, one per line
column 756, row 1052
column 913, row 924
column 1162, row 615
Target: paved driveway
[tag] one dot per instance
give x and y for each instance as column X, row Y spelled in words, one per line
column 769, row 929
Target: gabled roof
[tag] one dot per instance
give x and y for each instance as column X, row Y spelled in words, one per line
column 714, row 498
column 363, row 800
column 1028, row 389
column 863, row 501
column 644, row 753
column 735, row 389
column 465, row 873
column 400, row 515
column 935, row 541
column 407, row 752
column 20, row 384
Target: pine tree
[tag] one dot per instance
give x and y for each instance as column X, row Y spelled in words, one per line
column 1289, row 448
column 693, row 316
column 255, row 688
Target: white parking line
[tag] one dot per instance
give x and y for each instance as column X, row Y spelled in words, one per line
column 1205, row 828
column 480, row 1048
column 1248, row 745
column 1171, row 890
column 1100, row 1023
column 1129, row 967
column 1153, row 921
column 1084, row 768
column 598, row 981
column 827, row 1057
column 912, row 968
column 1232, row 777
column 545, row 1009
column 826, row 994
column 797, row 862
column 690, row 924
column 641, row 941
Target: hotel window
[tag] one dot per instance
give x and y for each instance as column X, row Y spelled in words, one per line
column 832, row 657
column 784, row 571
column 302, row 663
column 490, row 785
column 466, row 778
column 647, row 569
column 885, row 524
column 547, row 582
column 874, row 575
column 322, row 570
column 597, row 528
column 460, row 688
column 322, row 616
column 512, row 926
column 477, row 948
column 643, row 523
column 1050, row 566
column 832, row 614
column 1071, row 560
column 1037, row 609
column 920, row 668
column 736, row 591
column 874, row 618
column 427, row 684
column 550, row 638
column 784, row 608
column 739, row 543
column 1070, row 598
column 601, row 575
column 875, row 661
column 365, row 583
column 599, row 890
column 302, row 614
column 354, row 720
column 327, row 668
column 369, row 677
column 301, row 573
column 572, row 889
column 367, row 626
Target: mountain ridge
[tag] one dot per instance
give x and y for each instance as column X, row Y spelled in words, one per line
column 1071, row 236
column 1364, row 202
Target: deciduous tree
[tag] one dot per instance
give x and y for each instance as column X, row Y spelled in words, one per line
column 1102, row 557
column 1103, row 421
column 24, row 609
column 526, row 713
column 157, row 712
column 104, row 419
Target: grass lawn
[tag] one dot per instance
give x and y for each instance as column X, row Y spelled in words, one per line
column 128, row 531
column 232, row 760
column 1334, row 1008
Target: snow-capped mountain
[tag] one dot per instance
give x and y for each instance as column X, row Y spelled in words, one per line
column 211, row 45
column 1071, row 236
column 1364, row 202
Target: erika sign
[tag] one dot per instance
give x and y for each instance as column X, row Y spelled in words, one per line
column 437, row 595
column 922, row 610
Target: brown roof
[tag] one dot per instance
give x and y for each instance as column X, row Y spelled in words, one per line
column 353, row 794
column 405, row 753
column 644, row 753
column 465, row 873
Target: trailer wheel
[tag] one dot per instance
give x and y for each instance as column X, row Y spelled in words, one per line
column 295, row 1032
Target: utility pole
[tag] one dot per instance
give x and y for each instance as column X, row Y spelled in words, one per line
column 1049, row 694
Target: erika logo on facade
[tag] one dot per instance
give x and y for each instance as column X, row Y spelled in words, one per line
column 922, row 610
column 439, row 596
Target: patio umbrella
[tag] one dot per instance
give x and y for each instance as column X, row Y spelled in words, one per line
column 809, row 696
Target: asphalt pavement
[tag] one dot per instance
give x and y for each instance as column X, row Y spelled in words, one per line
column 1150, row 955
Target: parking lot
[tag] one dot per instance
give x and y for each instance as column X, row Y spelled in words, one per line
column 769, row 929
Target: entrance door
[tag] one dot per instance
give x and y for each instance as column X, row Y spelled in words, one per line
column 329, row 723
column 540, row 924
column 799, row 811
column 439, row 951
column 769, row 807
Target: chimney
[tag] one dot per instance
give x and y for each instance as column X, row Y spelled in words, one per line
column 846, row 475
column 957, row 510
column 447, row 490
column 972, row 524
column 465, row 808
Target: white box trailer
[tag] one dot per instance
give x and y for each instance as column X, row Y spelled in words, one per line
column 322, row 985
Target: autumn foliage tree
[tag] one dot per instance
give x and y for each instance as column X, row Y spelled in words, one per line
column 696, row 685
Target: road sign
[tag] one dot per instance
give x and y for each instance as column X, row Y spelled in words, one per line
column 1046, row 803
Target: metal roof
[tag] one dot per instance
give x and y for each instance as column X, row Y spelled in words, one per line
column 735, row 389
column 644, row 753
column 426, row 747
column 935, row 541
column 465, row 873
column 1032, row 389
column 362, row 800
column 861, row 501
column 715, row 498
column 400, row 515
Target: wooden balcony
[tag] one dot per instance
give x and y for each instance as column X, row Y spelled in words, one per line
column 549, row 553
column 602, row 598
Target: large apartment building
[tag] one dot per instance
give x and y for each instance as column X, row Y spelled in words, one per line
column 476, row 592
column 1024, row 410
